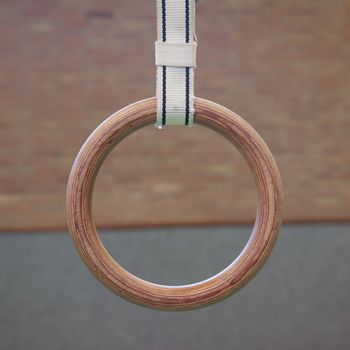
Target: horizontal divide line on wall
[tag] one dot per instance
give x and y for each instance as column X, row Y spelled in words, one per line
column 55, row 229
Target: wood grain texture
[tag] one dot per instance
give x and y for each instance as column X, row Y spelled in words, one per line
column 109, row 272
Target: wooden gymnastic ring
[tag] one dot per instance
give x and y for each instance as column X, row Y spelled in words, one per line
column 225, row 283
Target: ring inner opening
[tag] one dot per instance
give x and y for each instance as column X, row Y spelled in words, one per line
column 177, row 205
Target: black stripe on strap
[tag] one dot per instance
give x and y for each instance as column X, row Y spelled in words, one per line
column 163, row 20
column 187, row 95
column 164, row 67
column 187, row 21
column 164, row 97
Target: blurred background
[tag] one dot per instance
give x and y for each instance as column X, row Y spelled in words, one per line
column 174, row 206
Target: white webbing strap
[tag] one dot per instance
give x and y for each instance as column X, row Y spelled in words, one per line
column 175, row 60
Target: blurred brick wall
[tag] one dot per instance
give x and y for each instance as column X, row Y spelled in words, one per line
column 66, row 65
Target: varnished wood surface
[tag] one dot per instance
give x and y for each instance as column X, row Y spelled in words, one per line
column 67, row 65
column 109, row 272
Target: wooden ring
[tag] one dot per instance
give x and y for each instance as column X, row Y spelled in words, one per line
column 226, row 282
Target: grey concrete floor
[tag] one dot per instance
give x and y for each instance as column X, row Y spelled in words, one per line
column 300, row 300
